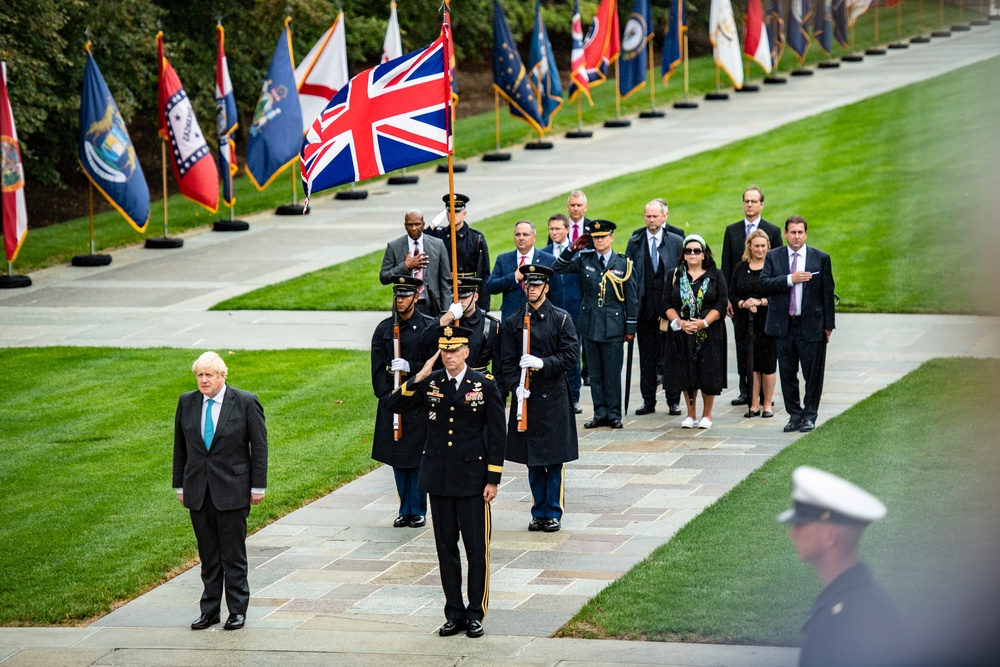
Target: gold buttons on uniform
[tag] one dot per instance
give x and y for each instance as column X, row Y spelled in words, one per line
column 450, row 432
column 452, row 408
column 451, row 419
column 449, row 443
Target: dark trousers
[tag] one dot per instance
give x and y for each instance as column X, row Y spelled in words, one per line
column 547, row 490
column 222, row 547
column 605, row 360
column 470, row 517
column 652, row 345
column 795, row 351
column 412, row 501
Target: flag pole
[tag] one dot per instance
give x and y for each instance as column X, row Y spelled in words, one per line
column 90, row 202
column 496, row 156
column 164, row 242
column 875, row 49
column 618, row 121
column 451, row 224
column 921, row 38
column 652, row 113
column 941, row 31
column 93, row 259
column 717, row 95
column 899, row 43
column 579, row 132
column 163, row 163
column 961, row 26
column 687, row 103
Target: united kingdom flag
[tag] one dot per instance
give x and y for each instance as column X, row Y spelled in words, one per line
column 388, row 117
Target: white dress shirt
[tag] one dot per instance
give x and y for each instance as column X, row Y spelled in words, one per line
column 799, row 266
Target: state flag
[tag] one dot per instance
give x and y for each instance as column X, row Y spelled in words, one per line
column 15, row 214
column 323, row 72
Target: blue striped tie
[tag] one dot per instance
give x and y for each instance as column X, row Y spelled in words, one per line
column 209, row 425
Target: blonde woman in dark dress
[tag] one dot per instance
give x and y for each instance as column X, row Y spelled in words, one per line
column 749, row 313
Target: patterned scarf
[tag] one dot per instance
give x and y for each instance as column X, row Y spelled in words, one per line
column 693, row 302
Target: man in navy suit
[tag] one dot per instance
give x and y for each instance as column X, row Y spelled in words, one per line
column 506, row 277
column 566, row 294
column 800, row 316
column 220, row 470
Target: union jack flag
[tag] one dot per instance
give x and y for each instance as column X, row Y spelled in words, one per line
column 386, row 118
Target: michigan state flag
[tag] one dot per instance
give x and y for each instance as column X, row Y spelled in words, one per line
column 634, row 62
column 106, row 152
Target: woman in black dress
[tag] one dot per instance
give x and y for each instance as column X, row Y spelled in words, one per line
column 695, row 306
column 749, row 314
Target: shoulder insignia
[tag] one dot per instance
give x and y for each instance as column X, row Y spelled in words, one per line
column 488, row 376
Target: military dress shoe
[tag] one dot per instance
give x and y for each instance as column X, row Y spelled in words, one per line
column 792, row 425
column 595, row 422
column 586, row 380
column 235, row 622
column 402, row 521
column 577, row 409
column 205, row 621
column 417, row 521
column 452, row 628
column 675, row 408
column 742, row 399
column 552, row 525
column 807, row 425
column 474, row 629
column 537, row 523
column 616, row 423
column 646, row 409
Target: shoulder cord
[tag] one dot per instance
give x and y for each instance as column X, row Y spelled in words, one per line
column 616, row 282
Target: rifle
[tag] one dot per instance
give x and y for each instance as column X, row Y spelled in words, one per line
column 522, row 407
column 397, row 424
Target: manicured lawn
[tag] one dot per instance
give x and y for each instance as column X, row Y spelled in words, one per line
column 896, row 189
column 925, row 445
column 85, row 464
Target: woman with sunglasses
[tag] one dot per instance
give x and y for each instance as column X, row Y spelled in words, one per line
column 695, row 306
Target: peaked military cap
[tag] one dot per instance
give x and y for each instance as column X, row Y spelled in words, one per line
column 451, row 337
column 601, row 227
column 821, row 496
column 405, row 285
column 460, row 202
column 536, row 274
column 468, row 285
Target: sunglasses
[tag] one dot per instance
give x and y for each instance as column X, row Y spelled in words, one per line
column 692, row 251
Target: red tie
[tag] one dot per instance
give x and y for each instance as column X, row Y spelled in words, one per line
column 418, row 273
column 576, row 232
column 519, row 265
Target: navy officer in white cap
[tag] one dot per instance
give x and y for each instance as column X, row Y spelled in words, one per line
column 853, row 621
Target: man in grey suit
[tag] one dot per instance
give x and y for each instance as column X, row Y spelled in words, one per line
column 220, row 470
column 421, row 256
column 800, row 315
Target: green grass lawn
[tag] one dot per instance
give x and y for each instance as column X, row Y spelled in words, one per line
column 474, row 135
column 926, row 446
column 895, row 188
column 85, row 464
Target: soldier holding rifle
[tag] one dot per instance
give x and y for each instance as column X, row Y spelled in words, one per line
column 537, row 348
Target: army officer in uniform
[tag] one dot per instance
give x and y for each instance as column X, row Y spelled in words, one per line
column 460, row 468
column 608, row 315
column 550, row 438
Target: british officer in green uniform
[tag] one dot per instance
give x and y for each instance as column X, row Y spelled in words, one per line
column 460, row 469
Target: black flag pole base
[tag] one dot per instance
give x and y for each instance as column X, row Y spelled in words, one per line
column 496, row 157
column 13, row 282
column 921, row 39
column 93, row 260
column 941, row 33
column 403, row 180
column 293, row 209
column 716, row 97
column 162, row 243
column 852, row 58
column 898, row 45
column 458, row 168
column 771, row 80
column 617, row 122
column 802, row 72
column 686, row 104
column 579, row 134
column 652, row 113
column 982, row 21
column 875, row 51
column 749, row 88
column 961, row 27
column 994, row 17
column 539, row 146
column 230, row 226
column 828, row 64
column 353, row 195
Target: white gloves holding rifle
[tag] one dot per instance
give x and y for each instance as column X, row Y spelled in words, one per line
column 532, row 362
column 399, row 364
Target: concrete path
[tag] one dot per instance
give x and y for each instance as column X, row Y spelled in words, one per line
column 334, row 581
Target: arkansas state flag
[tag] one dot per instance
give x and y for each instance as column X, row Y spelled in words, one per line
column 225, row 121
column 323, row 72
column 15, row 215
column 388, row 117
column 189, row 154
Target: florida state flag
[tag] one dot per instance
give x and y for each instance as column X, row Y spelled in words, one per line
column 15, row 215
column 194, row 168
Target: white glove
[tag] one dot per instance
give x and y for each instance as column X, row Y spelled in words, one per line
column 522, row 393
column 531, row 361
column 456, row 310
column 440, row 220
column 399, row 365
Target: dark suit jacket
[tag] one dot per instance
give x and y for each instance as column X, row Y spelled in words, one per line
column 567, row 286
column 502, row 280
column 669, row 251
column 817, row 311
column 437, row 275
column 237, row 461
column 735, row 240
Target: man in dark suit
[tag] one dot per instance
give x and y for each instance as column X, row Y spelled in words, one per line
column 220, row 470
column 460, row 468
column 800, row 316
column 421, row 256
column 576, row 208
column 607, row 316
column 654, row 252
column 566, row 295
column 507, row 278
column 733, row 245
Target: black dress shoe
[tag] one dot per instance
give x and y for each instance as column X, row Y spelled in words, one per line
column 792, row 425
column 595, row 422
column 536, row 524
column 742, row 399
column 807, row 425
column 675, row 408
column 475, row 629
column 451, row 628
column 552, row 525
column 417, row 521
column 402, row 521
column 752, row 413
column 586, row 381
column 235, row 622
column 646, row 409
column 205, row 621
column 616, row 423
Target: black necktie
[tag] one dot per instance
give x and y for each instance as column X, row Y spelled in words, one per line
column 604, row 263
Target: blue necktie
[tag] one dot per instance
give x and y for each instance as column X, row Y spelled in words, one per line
column 209, row 425
column 655, row 256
